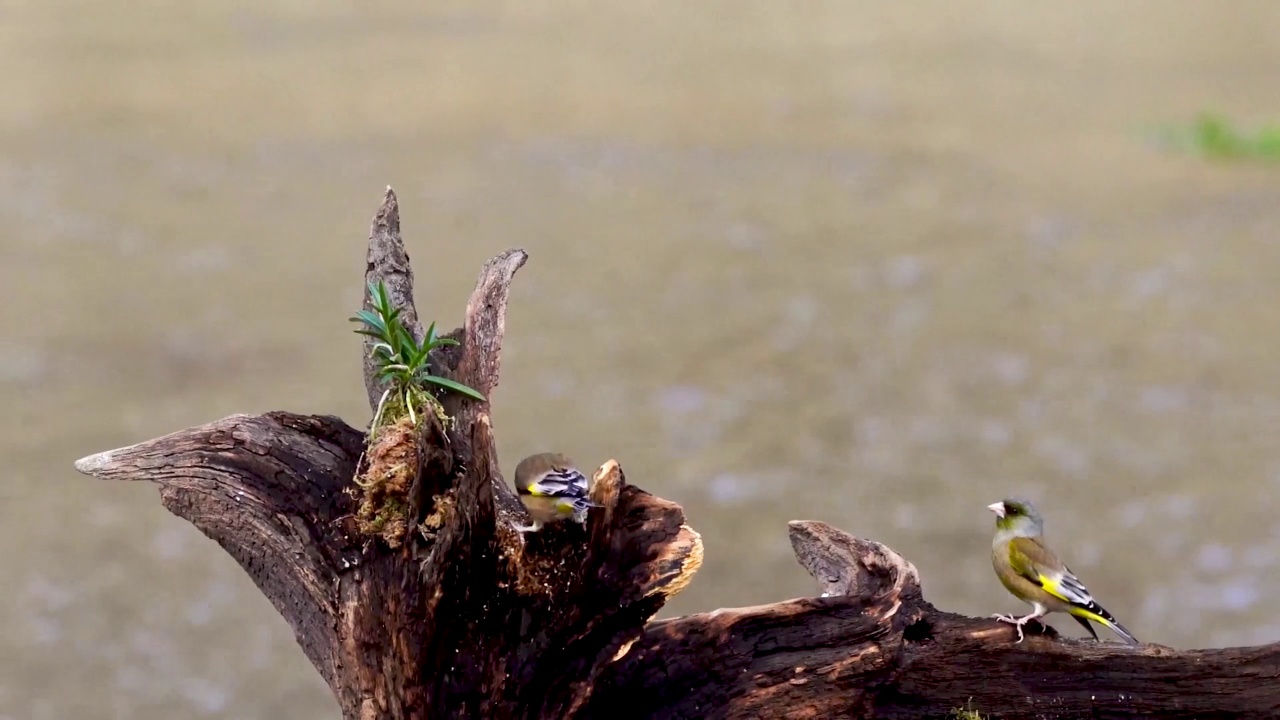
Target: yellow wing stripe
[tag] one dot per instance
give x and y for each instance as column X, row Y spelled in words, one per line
column 1051, row 586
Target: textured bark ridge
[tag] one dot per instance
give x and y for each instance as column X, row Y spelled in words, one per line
column 471, row 619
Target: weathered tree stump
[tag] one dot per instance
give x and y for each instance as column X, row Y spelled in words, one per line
column 470, row 619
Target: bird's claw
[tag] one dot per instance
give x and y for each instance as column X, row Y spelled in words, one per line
column 1016, row 622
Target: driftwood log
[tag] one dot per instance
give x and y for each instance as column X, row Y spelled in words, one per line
column 474, row 621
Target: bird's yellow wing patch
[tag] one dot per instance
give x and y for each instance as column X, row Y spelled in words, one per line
column 1032, row 560
column 1064, row 587
column 1051, row 586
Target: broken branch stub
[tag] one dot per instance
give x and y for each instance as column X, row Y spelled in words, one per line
column 387, row 261
column 845, row 565
column 478, row 358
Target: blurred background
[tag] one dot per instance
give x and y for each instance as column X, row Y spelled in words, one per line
column 874, row 264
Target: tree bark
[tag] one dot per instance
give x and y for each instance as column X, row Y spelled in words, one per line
column 472, row 619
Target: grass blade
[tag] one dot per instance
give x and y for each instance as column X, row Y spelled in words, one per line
column 453, row 385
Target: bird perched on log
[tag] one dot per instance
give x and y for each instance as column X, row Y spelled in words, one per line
column 1030, row 570
column 551, row 489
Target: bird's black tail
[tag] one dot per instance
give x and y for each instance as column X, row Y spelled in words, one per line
column 1087, row 625
column 1095, row 612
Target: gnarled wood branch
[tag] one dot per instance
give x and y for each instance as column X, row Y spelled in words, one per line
column 471, row 619
column 876, row 649
column 269, row 490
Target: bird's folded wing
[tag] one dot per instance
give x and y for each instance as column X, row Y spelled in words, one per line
column 1032, row 560
column 562, row 482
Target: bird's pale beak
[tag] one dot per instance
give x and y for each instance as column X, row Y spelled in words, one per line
column 997, row 508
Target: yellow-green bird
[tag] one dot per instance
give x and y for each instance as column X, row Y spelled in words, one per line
column 1030, row 570
column 552, row 489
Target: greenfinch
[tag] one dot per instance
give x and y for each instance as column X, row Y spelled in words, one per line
column 1030, row 570
column 551, row 489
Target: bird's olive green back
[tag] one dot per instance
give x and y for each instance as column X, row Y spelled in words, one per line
column 531, row 468
column 1029, row 558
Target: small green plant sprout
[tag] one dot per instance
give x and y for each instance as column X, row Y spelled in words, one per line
column 966, row 713
column 402, row 360
column 1215, row 136
column 393, row 457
